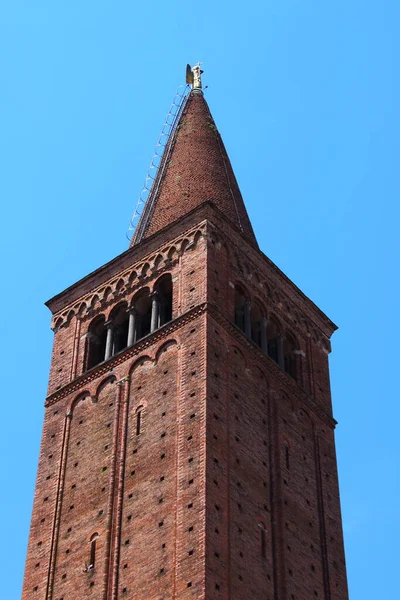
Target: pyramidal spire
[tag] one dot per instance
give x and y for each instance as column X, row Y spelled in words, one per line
column 195, row 168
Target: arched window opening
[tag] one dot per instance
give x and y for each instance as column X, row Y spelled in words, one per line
column 163, row 288
column 120, row 320
column 139, row 412
column 240, row 307
column 263, row 540
column 142, row 306
column 289, row 347
column 92, row 560
column 96, row 342
column 256, row 324
column 272, row 336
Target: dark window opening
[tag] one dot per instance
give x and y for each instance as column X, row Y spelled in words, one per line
column 92, row 560
column 126, row 326
column 120, row 320
column 139, row 420
column 142, row 306
column 163, row 288
column 96, row 342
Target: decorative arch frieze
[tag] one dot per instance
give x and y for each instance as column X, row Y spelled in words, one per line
column 130, row 280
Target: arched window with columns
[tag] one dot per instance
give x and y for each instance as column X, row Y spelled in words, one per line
column 126, row 325
column 96, row 342
column 120, row 320
column 163, row 289
column 142, row 305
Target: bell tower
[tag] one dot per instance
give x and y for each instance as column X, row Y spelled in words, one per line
column 188, row 442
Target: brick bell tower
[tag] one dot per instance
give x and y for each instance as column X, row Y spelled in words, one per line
column 188, row 442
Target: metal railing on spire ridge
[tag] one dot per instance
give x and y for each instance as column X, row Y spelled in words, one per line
column 167, row 131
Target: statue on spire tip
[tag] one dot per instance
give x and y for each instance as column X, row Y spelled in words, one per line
column 193, row 76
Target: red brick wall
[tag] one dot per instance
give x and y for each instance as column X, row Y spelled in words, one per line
column 271, row 460
column 228, row 441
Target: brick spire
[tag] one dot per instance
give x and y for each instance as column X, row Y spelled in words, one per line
column 195, row 168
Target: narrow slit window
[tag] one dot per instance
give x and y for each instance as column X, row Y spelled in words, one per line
column 92, row 560
column 139, row 420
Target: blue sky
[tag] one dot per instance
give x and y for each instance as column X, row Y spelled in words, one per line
column 306, row 96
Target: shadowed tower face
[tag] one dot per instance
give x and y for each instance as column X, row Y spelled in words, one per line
column 188, row 442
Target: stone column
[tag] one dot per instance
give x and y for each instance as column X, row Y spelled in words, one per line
column 132, row 326
column 263, row 331
column 281, row 357
column 110, row 339
column 247, row 319
column 155, row 311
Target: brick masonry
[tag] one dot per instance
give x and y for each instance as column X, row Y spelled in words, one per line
column 229, row 488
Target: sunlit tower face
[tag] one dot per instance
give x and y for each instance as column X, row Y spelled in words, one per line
column 188, row 447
